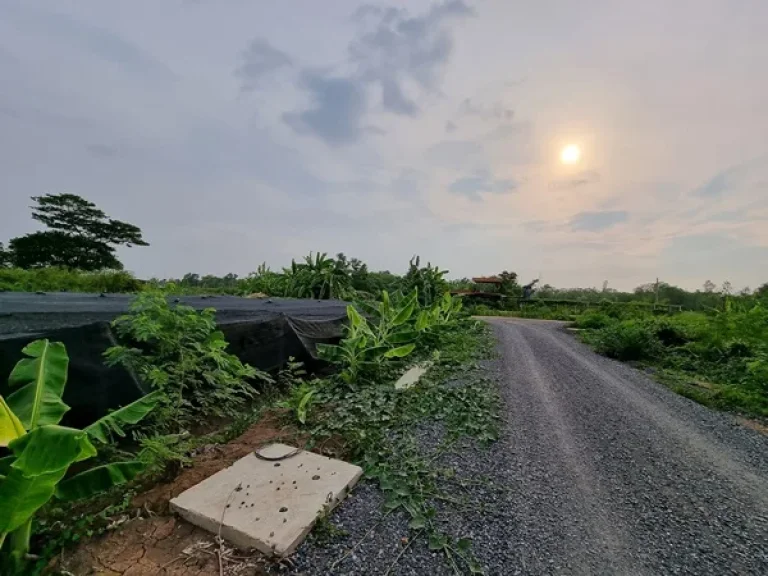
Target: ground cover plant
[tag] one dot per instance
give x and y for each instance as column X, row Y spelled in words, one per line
column 378, row 422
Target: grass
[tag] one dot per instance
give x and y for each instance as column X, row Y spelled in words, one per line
column 719, row 359
column 727, row 397
column 63, row 280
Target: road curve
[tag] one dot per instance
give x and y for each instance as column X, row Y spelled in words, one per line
column 615, row 474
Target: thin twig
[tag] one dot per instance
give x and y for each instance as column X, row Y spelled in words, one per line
column 221, row 523
column 391, row 566
column 340, row 560
column 164, row 566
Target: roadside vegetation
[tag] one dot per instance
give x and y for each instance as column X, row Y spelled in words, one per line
column 203, row 395
column 717, row 356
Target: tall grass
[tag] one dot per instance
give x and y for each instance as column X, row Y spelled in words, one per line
column 64, row 280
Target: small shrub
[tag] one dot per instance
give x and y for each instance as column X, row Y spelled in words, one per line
column 628, row 340
column 178, row 351
column 593, row 320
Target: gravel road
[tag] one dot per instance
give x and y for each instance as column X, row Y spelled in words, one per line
column 599, row 471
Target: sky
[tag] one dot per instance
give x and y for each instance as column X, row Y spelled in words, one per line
column 235, row 132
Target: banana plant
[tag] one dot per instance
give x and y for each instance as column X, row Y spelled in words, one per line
column 366, row 344
column 42, row 451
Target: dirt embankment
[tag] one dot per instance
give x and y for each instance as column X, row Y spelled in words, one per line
column 152, row 542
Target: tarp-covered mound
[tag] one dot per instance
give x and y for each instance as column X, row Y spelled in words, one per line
column 261, row 332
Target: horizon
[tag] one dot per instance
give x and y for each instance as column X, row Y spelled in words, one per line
column 576, row 143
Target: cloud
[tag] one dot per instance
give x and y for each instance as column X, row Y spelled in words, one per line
column 259, row 60
column 733, row 178
column 392, row 50
column 336, row 114
column 598, row 221
column 105, row 44
column 719, row 184
column 580, row 179
column 480, row 183
column 450, row 127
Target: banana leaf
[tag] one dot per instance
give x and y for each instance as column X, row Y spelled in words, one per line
column 10, row 426
column 42, row 378
column 422, row 321
column 404, row 314
column 5, row 464
column 21, row 496
column 96, row 480
column 375, row 352
column 50, row 448
column 403, row 337
column 103, row 428
column 354, row 316
column 301, row 409
column 400, row 352
column 328, row 352
column 42, row 458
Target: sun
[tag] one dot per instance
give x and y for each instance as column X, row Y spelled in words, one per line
column 570, row 154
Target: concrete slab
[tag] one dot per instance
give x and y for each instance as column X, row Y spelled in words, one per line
column 412, row 376
column 270, row 505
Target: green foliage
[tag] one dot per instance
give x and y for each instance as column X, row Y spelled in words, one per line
column 627, row 340
column 429, row 281
column 80, row 236
column 378, row 425
column 727, row 349
column 393, row 329
column 65, row 280
column 42, row 451
column 163, row 455
column 593, row 320
column 318, row 277
column 179, row 351
column 300, row 399
column 5, row 257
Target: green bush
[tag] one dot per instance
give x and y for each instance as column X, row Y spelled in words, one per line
column 178, row 351
column 628, row 340
column 593, row 320
column 64, row 280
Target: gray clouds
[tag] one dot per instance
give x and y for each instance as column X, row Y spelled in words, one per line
column 259, row 60
column 481, row 183
column 598, row 221
column 580, row 179
column 392, row 51
column 337, row 109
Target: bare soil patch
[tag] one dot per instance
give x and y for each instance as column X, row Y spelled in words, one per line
column 156, row 543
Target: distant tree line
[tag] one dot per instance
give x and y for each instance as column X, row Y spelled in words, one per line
column 80, row 236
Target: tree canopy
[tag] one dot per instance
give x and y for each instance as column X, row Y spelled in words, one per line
column 80, row 236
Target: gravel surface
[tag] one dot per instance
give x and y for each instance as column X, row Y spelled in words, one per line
column 599, row 470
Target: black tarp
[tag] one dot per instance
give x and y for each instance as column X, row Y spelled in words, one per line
column 262, row 332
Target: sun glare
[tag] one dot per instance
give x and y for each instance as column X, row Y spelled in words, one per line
column 570, row 154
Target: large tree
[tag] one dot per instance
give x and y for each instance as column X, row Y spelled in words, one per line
column 80, row 236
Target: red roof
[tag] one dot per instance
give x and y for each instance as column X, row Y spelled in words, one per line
column 487, row 280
